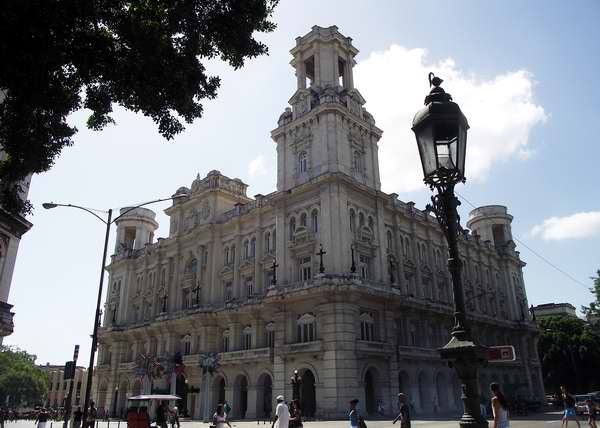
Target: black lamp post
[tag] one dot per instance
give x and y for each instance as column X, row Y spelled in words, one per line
column 108, row 222
column 441, row 131
column 296, row 382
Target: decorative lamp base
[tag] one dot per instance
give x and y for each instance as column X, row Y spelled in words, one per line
column 467, row 357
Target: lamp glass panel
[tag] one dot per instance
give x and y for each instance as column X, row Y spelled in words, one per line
column 462, row 147
column 446, row 141
column 426, row 150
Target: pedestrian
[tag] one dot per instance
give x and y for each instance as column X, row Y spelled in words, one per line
column 570, row 413
column 589, row 406
column 499, row 407
column 220, row 417
column 42, row 418
column 226, row 408
column 295, row 414
column 175, row 417
column 404, row 413
column 77, row 416
column 282, row 414
column 161, row 415
column 354, row 414
column 92, row 415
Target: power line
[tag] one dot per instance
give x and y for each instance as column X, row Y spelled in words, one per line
column 544, row 259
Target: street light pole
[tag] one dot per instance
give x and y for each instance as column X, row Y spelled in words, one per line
column 90, row 373
column 441, row 131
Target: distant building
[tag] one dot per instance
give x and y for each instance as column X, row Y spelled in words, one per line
column 12, row 228
column 554, row 309
column 58, row 388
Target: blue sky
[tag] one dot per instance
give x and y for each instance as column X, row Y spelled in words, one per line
column 523, row 72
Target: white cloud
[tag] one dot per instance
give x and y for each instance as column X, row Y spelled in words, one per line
column 576, row 226
column 256, row 167
column 500, row 110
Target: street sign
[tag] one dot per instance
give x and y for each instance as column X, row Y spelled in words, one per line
column 502, row 353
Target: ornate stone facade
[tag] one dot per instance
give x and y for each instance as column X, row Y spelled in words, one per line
column 368, row 326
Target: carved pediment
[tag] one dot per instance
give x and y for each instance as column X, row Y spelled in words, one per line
column 247, row 264
column 227, row 270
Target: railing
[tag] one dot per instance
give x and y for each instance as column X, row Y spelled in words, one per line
column 314, row 346
column 246, row 355
column 418, row 352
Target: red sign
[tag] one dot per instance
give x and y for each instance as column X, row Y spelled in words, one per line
column 501, row 353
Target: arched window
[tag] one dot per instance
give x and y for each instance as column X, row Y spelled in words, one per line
column 253, row 247
column 267, row 242
column 390, row 242
column 361, row 220
column 247, row 337
column 352, row 220
column 186, row 345
column 226, row 256
column 270, row 331
column 314, row 221
column 246, row 249
column 303, row 219
column 371, row 223
column 306, row 330
column 303, row 162
column 367, row 327
column 249, row 287
column 292, row 228
column 225, row 341
column 357, row 161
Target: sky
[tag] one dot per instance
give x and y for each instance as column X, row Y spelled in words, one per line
column 522, row 72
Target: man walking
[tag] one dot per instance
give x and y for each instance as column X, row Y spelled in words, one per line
column 92, row 414
column 282, row 414
column 404, row 415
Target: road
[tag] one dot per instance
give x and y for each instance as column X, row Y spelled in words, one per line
column 540, row 420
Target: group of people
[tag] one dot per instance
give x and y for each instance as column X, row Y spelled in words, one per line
column 164, row 415
column 44, row 415
column 570, row 413
column 498, row 401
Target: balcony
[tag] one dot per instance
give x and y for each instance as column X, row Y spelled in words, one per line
column 127, row 366
column 293, row 348
column 374, row 348
column 414, row 352
column 246, row 355
column 6, row 319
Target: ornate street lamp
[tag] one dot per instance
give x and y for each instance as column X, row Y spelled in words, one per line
column 441, row 131
column 296, row 382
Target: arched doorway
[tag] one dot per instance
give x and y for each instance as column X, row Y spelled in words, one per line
column 181, row 391
column 441, row 386
column 370, row 400
column 424, row 397
column 101, row 404
column 122, row 404
column 137, row 388
column 308, row 401
column 240, row 397
column 264, row 396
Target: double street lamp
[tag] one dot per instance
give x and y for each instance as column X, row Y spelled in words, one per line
column 441, row 132
column 108, row 222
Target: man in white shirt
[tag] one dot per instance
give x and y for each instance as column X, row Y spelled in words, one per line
column 282, row 414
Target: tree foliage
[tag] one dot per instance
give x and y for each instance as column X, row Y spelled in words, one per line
column 593, row 310
column 569, row 350
column 145, row 55
column 21, row 380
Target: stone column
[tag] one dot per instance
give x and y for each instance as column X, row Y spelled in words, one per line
column 237, row 292
column 258, row 255
column 251, row 408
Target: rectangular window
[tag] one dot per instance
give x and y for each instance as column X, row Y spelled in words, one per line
column 305, row 269
column 249, row 287
column 228, row 291
column 185, row 299
column 187, row 348
column 225, row 343
column 270, row 339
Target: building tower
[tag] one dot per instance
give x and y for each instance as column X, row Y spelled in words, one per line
column 492, row 223
column 327, row 129
column 135, row 229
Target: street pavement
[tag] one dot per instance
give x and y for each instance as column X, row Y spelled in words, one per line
column 539, row 420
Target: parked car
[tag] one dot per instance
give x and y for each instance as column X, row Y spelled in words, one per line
column 580, row 404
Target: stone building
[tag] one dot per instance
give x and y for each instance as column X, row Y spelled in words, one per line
column 12, row 228
column 58, row 388
column 365, row 323
column 546, row 310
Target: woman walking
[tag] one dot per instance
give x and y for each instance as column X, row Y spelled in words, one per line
column 295, row 415
column 570, row 413
column 499, row 407
column 591, row 411
column 220, row 418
